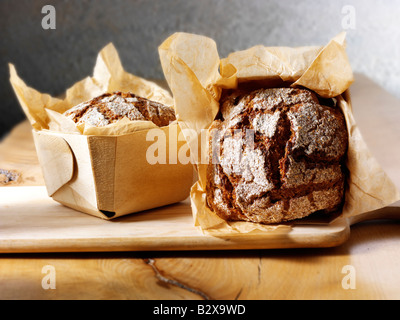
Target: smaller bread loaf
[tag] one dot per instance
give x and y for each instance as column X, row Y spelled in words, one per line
column 109, row 108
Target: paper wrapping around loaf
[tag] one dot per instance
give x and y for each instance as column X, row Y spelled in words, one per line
column 103, row 171
column 45, row 112
column 196, row 76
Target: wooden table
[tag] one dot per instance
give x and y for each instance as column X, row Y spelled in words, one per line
column 364, row 267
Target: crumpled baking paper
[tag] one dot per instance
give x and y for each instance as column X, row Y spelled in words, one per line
column 196, row 76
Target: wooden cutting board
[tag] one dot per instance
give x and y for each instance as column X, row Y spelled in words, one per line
column 33, row 222
column 30, row 221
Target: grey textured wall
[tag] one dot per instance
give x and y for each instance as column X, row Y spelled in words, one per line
column 52, row 60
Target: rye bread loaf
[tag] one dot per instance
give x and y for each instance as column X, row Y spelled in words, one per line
column 111, row 107
column 276, row 155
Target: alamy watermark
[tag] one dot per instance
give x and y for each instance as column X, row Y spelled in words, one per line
column 349, row 17
column 349, row 280
column 49, row 280
column 49, row 20
column 220, row 144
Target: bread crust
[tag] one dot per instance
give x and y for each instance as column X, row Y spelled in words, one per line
column 111, row 107
column 275, row 155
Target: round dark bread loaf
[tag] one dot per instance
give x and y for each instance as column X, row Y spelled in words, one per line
column 109, row 108
column 275, row 155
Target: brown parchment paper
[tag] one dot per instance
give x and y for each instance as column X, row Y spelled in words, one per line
column 196, row 76
column 45, row 112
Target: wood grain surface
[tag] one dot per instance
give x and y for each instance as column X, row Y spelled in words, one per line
column 364, row 267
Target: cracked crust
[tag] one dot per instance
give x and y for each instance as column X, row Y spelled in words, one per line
column 275, row 155
column 109, row 108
